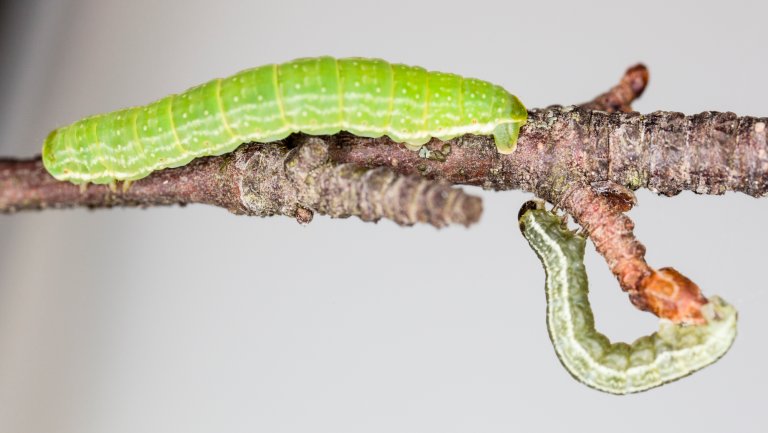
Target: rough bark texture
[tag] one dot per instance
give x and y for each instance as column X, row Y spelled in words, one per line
column 666, row 152
column 599, row 209
column 585, row 159
column 563, row 149
column 257, row 180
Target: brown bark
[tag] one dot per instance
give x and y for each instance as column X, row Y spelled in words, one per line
column 585, row 159
column 563, row 149
column 666, row 152
column 599, row 209
column 257, row 180
column 620, row 97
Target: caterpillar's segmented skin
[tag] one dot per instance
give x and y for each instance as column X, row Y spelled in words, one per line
column 674, row 351
column 318, row 96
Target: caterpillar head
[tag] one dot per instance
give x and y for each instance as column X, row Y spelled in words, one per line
column 53, row 142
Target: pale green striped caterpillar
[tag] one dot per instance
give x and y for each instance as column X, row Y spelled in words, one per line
column 671, row 353
column 318, row 96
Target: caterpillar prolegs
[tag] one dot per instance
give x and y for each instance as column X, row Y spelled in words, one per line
column 674, row 351
column 318, row 96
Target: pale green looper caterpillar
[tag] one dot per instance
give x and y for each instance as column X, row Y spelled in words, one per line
column 674, row 351
column 318, row 96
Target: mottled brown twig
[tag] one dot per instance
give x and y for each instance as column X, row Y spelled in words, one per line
column 316, row 183
column 599, row 209
column 620, row 97
column 708, row 153
column 258, row 180
column 666, row 152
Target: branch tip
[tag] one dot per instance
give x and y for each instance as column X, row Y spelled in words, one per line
column 620, row 97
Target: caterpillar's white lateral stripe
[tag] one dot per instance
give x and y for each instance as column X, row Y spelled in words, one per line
column 619, row 368
column 316, row 96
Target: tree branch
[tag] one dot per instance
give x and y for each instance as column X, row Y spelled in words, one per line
column 257, row 180
column 666, row 152
column 620, row 97
column 586, row 159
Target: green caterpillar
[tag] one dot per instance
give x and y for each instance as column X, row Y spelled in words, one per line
column 318, row 96
column 671, row 353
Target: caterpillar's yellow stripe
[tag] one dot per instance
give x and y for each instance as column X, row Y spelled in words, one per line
column 674, row 351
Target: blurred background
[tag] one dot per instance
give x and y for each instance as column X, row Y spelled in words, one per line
column 193, row 319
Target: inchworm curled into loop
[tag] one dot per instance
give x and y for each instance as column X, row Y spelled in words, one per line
column 316, row 96
column 674, row 351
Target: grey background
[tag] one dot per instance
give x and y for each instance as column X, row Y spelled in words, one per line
column 196, row 320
